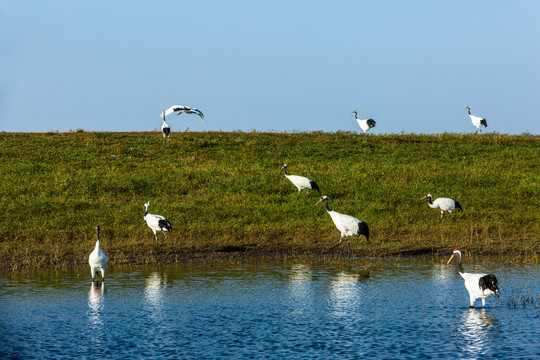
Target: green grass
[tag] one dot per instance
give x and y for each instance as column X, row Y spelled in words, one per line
column 223, row 193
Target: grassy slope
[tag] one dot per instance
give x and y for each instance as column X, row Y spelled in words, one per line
column 223, row 192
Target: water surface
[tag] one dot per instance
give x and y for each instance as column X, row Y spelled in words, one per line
column 409, row 309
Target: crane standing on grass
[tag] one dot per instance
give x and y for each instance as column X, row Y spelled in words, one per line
column 445, row 204
column 476, row 120
column 365, row 124
column 301, row 182
column 165, row 129
column 346, row 224
column 156, row 223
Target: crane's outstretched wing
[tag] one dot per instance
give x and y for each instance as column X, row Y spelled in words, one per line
column 184, row 109
column 192, row 111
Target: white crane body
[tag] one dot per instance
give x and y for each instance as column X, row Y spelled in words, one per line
column 365, row 124
column 479, row 286
column 156, row 223
column 346, row 224
column 97, row 259
column 476, row 120
column 301, row 182
column 444, row 204
column 166, row 130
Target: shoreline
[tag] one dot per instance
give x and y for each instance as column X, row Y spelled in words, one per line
column 165, row 257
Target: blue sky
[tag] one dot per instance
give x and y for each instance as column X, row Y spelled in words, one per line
column 413, row 66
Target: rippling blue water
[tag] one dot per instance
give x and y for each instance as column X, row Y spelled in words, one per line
column 400, row 309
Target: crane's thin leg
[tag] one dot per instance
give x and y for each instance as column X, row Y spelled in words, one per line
column 483, row 302
column 453, row 216
column 349, row 243
column 442, row 213
column 333, row 247
column 164, row 238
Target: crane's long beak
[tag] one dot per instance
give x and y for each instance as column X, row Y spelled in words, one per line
column 451, row 257
column 423, row 197
column 318, row 202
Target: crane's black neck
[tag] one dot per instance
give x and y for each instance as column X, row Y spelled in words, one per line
column 326, row 204
column 355, row 115
column 285, row 170
column 97, row 233
column 430, row 199
column 145, row 211
column 469, row 110
column 459, row 267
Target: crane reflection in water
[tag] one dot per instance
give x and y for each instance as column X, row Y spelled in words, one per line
column 96, row 305
column 154, row 293
column 478, row 329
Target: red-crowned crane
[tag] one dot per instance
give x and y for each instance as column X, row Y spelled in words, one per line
column 478, row 285
column 301, row 182
column 165, row 129
column 97, row 259
column 445, row 204
column 365, row 124
column 156, row 223
column 346, row 224
column 476, row 120
column 180, row 109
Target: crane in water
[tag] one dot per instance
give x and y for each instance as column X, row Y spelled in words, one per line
column 478, row 285
column 97, row 259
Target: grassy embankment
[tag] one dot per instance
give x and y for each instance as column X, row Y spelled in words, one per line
column 224, row 194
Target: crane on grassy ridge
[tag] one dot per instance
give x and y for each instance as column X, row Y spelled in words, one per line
column 156, row 223
column 478, row 285
column 301, row 182
column 165, row 129
column 365, row 124
column 476, row 120
column 97, row 259
column 445, row 204
column 346, row 224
